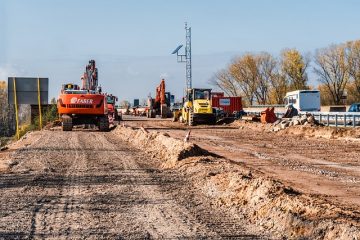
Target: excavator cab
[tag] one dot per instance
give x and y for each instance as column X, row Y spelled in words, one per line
column 70, row 87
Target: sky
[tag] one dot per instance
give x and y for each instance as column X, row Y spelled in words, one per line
column 132, row 40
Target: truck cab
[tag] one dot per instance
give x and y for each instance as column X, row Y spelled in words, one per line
column 355, row 107
column 304, row 100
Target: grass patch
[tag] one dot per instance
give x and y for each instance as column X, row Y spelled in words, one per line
column 48, row 116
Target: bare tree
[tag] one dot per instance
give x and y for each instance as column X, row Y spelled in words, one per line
column 244, row 71
column 224, row 81
column 266, row 65
column 353, row 50
column 279, row 87
column 333, row 70
column 7, row 113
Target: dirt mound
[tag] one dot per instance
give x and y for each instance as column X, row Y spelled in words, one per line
column 309, row 131
column 280, row 209
column 160, row 145
column 265, row 202
column 6, row 161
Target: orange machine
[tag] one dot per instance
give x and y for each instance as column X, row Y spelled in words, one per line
column 112, row 111
column 86, row 105
column 161, row 104
column 268, row 116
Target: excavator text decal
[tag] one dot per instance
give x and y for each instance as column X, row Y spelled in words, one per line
column 76, row 100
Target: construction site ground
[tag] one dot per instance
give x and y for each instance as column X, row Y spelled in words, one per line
column 140, row 181
column 313, row 160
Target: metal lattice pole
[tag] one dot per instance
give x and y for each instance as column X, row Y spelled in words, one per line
column 188, row 57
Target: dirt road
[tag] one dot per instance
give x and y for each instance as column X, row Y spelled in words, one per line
column 91, row 185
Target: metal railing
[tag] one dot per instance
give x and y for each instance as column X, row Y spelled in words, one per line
column 337, row 119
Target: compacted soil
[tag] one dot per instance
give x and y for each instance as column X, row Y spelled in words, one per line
column 92, row 185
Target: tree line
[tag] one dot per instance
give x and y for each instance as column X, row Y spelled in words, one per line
column 262, row 78
column 7, row 113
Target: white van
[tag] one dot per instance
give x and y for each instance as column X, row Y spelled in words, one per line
column 304, row 100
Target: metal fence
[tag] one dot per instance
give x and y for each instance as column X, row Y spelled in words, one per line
column 337, row 119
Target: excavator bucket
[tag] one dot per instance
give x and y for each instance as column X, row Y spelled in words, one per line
column 268, row 116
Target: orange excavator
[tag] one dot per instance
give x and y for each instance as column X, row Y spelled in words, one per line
column 112, row 111
column 85, row 105
column 161, row 104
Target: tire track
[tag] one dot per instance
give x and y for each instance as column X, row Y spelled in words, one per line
column 92, row 185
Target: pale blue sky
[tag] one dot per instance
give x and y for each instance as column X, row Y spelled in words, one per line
column 132, row 39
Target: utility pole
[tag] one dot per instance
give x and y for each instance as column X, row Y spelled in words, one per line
column 186, row 57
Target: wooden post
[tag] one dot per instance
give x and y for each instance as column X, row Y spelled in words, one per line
column 39, row 102
column 16, row 110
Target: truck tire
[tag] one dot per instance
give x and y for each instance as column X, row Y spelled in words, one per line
column 104, row 124
column 175, row 118
column 67, row 123
column 191, row 118
column 213, row 120
column 164, row 111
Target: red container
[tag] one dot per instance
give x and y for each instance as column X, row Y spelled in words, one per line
column 217, row 94
column 229, row 104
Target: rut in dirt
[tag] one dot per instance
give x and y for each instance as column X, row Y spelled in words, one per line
column 93, row 185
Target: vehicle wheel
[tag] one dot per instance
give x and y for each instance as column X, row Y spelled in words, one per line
column 191, row 118
column 213, row 120
column 104, row 124
column 163, row 111
column 67, row 123
column 153, row 113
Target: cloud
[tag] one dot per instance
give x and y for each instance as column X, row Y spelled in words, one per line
column 131, row 71
column 9, row 70
column 164, row 75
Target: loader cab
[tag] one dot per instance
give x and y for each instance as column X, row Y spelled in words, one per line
column 198, row 94
column 168, row 98
column 197, row 107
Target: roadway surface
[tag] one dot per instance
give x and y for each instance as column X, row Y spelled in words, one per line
column 91, row 185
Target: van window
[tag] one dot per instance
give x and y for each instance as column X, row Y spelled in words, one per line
column 292, row 100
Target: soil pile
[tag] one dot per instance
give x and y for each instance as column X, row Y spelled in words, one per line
column 308, row 130
column 160, row 145
column 262, row 201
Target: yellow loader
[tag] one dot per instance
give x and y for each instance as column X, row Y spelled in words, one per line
column 197, row 107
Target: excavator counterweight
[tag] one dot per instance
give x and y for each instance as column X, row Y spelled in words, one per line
column 86, row 105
